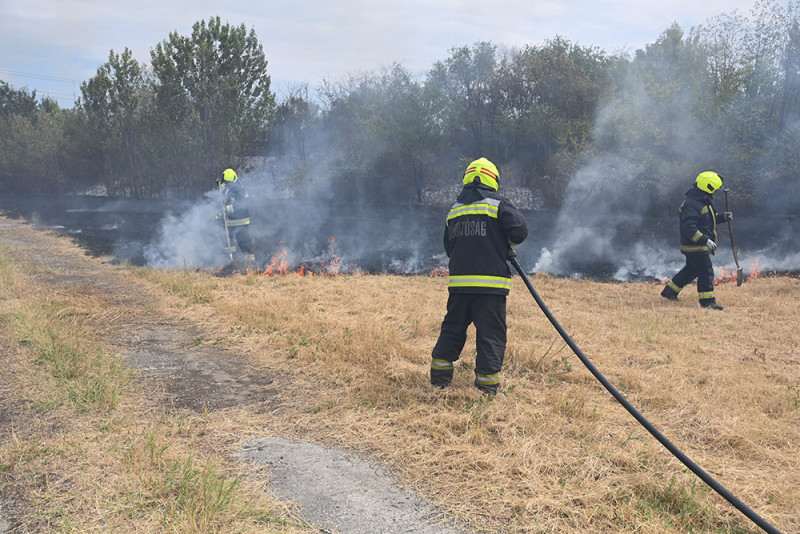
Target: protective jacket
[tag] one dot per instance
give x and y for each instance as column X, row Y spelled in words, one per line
column 234, row 202
column 698, row 221
column 481, row 227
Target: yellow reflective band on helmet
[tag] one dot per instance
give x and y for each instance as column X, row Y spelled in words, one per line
column 476, row 280
column 488, row 207
column 706, row 295
column 484, row 172
column 487, row 380
column 441, row 365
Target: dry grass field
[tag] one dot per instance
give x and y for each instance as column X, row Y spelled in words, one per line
column 552, row 452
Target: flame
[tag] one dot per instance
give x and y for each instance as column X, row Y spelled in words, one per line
column 330, row 265
column 279, row 265
column 439, row 272
column 725, row 276
column 334, row 264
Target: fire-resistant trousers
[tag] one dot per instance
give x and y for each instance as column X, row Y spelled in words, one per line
column 242, row 236
column 488, row 314
column 698, row 265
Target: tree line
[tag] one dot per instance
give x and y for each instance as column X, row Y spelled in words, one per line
column 724, row 96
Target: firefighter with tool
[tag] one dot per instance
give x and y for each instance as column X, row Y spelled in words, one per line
column 698, row 229
column 480, row 230
column 235, row 215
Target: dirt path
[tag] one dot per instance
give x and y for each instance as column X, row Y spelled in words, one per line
column 335, row 490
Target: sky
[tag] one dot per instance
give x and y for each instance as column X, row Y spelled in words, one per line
column 52, row 46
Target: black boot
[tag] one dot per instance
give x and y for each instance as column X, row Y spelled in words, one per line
column 487, row 384
column 441, row 378
column 669, row 293
column 490, row 391
column 711, row 305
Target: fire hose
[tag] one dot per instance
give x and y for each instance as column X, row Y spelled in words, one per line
column 696, row 469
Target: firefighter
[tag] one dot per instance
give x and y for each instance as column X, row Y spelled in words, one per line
column 236, row 215
column 698, row 229
column 480, row 230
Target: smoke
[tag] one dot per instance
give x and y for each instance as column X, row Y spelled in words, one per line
column 607, row 226
column 190, row 239
column 596, row 228
column 310, row 226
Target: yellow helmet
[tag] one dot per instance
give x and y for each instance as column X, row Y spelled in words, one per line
column 709, row 181
column 484, row 172
column 229, row 175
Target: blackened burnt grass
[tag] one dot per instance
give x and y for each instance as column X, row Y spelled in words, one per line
column 552, row 452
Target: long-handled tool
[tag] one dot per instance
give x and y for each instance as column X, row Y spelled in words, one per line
column 739, row 274
column 229, row 249
column 696, row 469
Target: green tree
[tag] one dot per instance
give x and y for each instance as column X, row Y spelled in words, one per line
column 31, row 141
column 291, row 126
column 350, row 106
column 213, row 92
column 383, row 129
column 17, row 102
column 295, row 140
column 753, row 65
column 405, row 124
column 469, row 105
column 653, row 117
column 551, row 94
column 113, row 103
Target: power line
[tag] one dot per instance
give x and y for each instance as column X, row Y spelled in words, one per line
column 38, row 76
column 54, row 95
column 51, row 94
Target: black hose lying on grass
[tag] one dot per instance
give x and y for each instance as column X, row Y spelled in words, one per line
column 696, row 469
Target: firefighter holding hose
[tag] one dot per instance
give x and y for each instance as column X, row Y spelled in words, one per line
column 698, row 230
column 236, row 214
column 480, row 230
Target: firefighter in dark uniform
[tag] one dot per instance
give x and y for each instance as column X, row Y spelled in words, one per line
column 480, row 230
column 698, row 229
column 236, row 215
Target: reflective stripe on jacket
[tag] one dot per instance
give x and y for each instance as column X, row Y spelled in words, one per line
column 698, row 221
column 234, row 202
column 238, row 222
column 481, row 227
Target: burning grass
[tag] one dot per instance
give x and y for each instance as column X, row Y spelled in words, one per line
column 552, row 452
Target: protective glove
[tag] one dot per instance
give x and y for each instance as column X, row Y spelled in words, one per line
column 728, row 215
column 712, row 247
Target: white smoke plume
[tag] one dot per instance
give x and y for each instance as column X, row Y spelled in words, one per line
column 192, row 239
